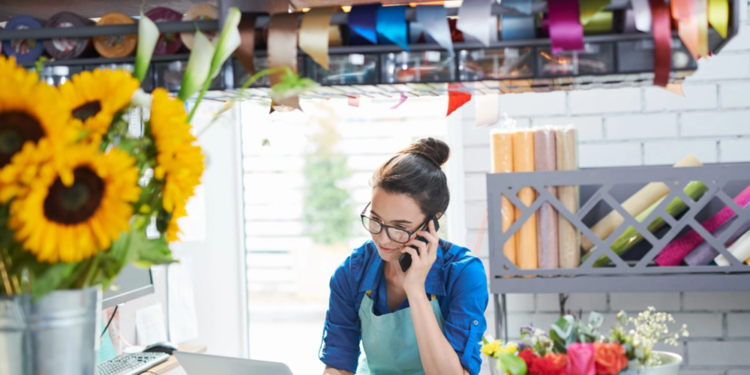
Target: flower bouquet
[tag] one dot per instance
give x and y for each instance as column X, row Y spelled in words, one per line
column 573, row 347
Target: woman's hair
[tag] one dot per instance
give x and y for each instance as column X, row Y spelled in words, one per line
column 415, row 171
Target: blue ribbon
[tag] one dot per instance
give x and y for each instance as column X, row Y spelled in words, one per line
column 434, row 20
column 391, row 26
column 362, row 24
column 518, row 27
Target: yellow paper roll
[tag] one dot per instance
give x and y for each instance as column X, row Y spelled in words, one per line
column 634, row 205
column 501, row 145
column 198, row 13
column 570, row 237
column 523, row 161
column 115, row 45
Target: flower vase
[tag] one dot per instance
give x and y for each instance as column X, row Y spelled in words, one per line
column 54, row 335
column 493, row 366
column 670, row 365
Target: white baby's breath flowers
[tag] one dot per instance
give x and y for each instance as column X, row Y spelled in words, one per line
column 650, row 328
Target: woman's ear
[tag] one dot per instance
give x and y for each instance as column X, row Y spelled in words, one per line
column 439, row 215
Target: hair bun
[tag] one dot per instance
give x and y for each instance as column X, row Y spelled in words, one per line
column 433, row 149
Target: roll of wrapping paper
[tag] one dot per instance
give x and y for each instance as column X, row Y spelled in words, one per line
column 567, row 159
column 282, row 48
column 115, row 45
column 501, row 146
column 68, row 48
column 545, row 156
column 631, row 237
column 675, row 251
column 740, row 249
column 24, row 50
column 523, row 161
column 168, row 43
column 635, row 204
column 314, row 34
column 704, row 253
column 198, row 13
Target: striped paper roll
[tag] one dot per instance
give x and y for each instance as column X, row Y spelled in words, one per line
column 115, row 45
column 168, row 43
column 740, row 249
column 567, row 159
column 523, row 161
column 68, row 48
column 25, row 50
column 198, row 13
column 501, row 145
column 547, row 225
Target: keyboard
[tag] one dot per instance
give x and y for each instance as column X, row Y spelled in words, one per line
column 130, row 364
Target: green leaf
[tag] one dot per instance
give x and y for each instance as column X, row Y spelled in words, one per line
column 148, row 35
column 198, row 67
column 228, row 41
column 50, row 278
column 595, row 319
column 511, row 363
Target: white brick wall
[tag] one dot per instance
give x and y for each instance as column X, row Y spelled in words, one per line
column 640, row 126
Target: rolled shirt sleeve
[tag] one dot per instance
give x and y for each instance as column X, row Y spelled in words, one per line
column 341, row 335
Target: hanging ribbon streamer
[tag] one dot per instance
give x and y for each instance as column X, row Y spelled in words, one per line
column 353, row 100
column 246, row 51
column 475, row 20
column 282, row 50
column 456, row 97
column 662, row 31
column 391, row 26
column 629, row 26
column 518, row 27
column 565, row 28
column 434, row 20
column 593, row 17
column 675, row 88
column 718, row 16
column 642, row 14
column 314, row 32
column 362, row 24
column 400, row 101
column 487, row 110
column 701, row 17
column 687, row 25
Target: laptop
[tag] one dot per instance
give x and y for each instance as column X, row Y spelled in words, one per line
column 202, row 364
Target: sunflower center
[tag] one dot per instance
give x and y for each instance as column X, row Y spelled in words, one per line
column 87, row 110
column 16, row 128
column 77, row 203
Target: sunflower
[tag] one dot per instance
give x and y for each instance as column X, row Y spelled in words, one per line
column 29, row 111
column 93, row 98
column 179, row 161
column 78, row 204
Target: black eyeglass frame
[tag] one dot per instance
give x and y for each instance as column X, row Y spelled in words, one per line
column 411, row 233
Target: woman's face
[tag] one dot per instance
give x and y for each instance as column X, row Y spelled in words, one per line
column 396, row 210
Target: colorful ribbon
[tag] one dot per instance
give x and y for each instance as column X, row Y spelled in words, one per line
column 565, row 28
column 246, row 51
column 515, row 27
column 662, row 31
column 391, row 26
column 683, row 11
column 593, row 17
column 475, row 20
column 282, row 50
column 701, row 17
column 718, row 16
column 434, row 20
column 362, row 24
column 313, row 34
column 456, row 97
column 642, row 13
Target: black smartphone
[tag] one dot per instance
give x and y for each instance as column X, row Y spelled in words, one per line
column 405, row 259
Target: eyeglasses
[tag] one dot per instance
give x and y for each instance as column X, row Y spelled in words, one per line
column 373, row 226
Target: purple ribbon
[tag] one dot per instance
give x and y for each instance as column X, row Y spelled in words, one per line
column 565, row 28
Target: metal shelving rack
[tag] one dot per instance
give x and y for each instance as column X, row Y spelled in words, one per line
column 635, row 271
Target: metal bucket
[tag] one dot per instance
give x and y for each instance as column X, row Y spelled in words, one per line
column 56, row 335
column 670, row 365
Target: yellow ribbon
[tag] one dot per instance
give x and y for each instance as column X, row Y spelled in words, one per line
column 701, row 15
column 314, row 34
column 718, row 16
column 593, row 18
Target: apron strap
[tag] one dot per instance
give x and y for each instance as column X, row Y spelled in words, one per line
column 369, row 294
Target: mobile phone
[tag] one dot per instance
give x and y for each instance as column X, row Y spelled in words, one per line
column 405, row 259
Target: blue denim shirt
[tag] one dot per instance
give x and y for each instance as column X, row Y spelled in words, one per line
column 457, row 278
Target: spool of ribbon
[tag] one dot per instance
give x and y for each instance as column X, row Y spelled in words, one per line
column 391, row 26
column 198, row 13
column 434, row 21
column 314, row 34
column 68, row 48
column 718, row 16
column 594, row 19
column 245, row 53
column 518, row 27
column 282, row 50
column 168, row 43
column 475, row 20
column 565, row 28
column 662, row 31
column 115, row 45
column 363, row 24
column 25, row 50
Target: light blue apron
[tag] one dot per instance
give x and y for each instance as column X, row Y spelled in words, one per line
column 389, row 341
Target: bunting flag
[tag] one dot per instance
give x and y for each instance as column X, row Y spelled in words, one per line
column 487, row 110
column 391, row 26
column 353, row 100
column 282, row 50
column 246, row 51
column 314, row 34
column 683, row 11
column 675, row 88
column 401, row 101
column 434, row 20
column 362, row 23
column 475, row 20
column 456, row 97
column 642, row 13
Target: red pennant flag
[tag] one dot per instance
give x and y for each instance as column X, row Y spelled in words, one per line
column 456, row 97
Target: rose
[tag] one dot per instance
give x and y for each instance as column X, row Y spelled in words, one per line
column 528, row 356
column 610, row 359
column 550, row 364
column 581, row 359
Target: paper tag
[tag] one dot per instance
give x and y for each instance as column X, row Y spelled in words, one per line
column 511, row 53
column 432, row 56
column 357, row 59
column 149, row 325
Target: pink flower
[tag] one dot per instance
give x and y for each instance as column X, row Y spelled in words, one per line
column 581, row 359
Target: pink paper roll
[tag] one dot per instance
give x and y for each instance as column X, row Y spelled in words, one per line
column 545, row 156
column 675, row 251
column 704, row 253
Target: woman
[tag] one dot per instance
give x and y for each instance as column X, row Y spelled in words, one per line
column 427, row 320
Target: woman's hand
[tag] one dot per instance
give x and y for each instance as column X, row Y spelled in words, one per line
column 421, row 263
